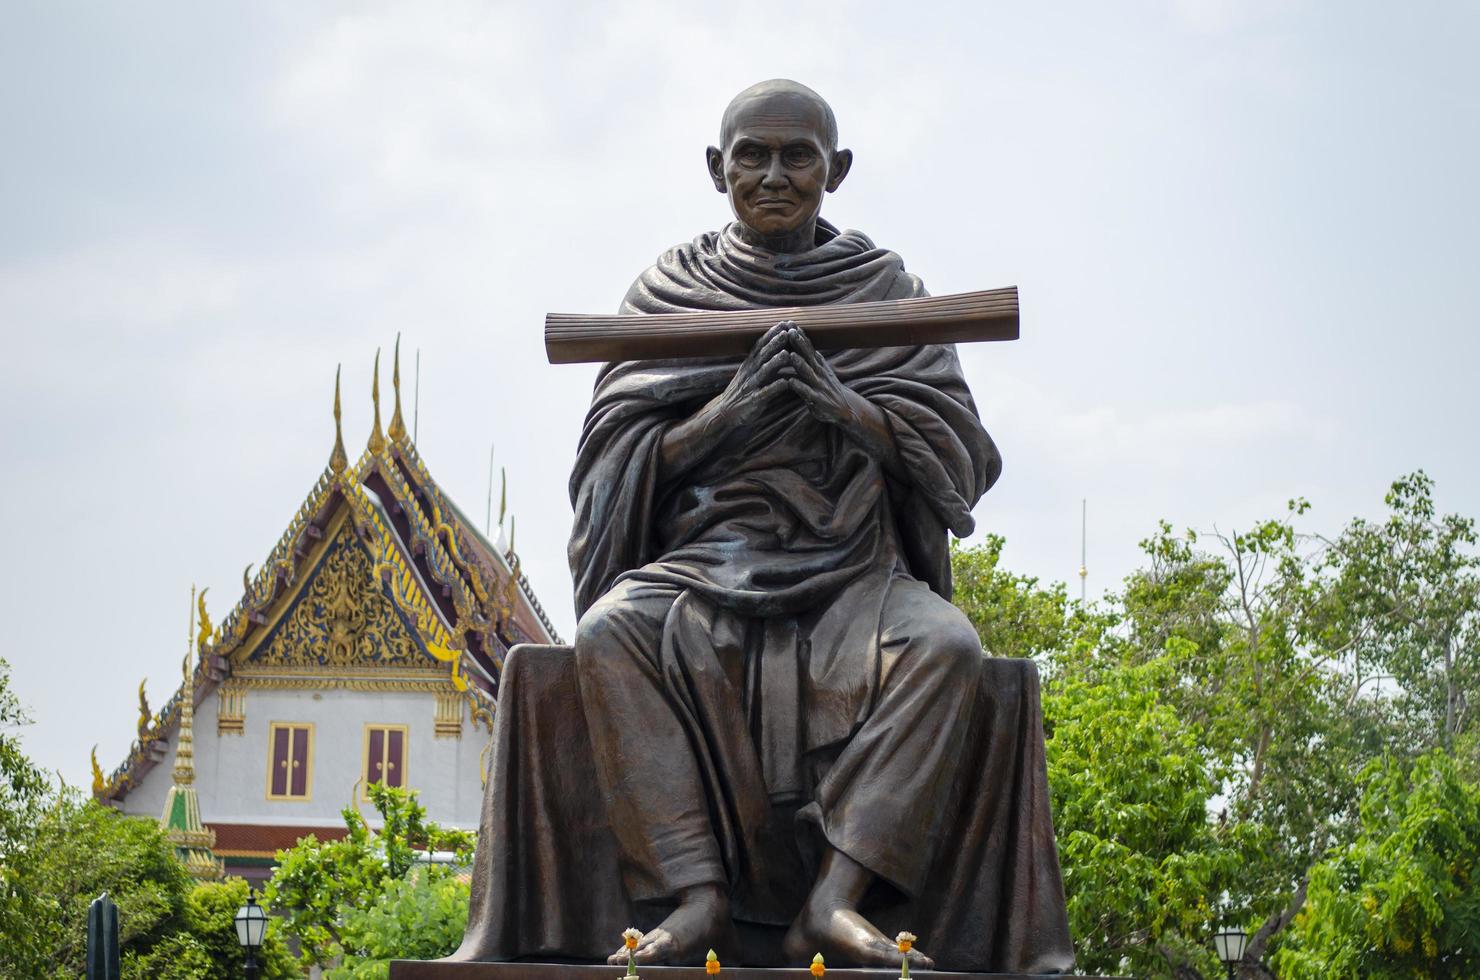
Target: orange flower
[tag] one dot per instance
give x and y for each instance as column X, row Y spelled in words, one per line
column 818, row 967
column 906, row 941
column 711, row 963
column 631, row 936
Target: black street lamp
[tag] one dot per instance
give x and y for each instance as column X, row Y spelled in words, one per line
column 1230, row 945
column 251, row 925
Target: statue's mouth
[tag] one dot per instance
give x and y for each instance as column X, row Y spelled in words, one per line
column 772, row 202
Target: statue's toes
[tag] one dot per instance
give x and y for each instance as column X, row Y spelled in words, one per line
column 657, row 946
column 619, row 958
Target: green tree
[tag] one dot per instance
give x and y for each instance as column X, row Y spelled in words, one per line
column 1411, row 589
column 421, row 916
column 169, row 926
column 23, row 792
column 1287, row 662
column 360, row 901
column 1401, row 900
column 1142, row 861
column 206, row 948
column 1260, row 673
column 1130, row 777
column 78, row 850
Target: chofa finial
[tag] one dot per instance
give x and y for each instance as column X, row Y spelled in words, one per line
column 338, row 461
column 376, row 445
column 203, row 618
column 98, row 784
column 397, row 431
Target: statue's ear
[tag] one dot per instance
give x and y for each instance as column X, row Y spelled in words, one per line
column 842, row 162
column 716, row 161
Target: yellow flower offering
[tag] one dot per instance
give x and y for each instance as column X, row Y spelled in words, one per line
column 711, row 963
column 629, row 939
column 906, row 942
column 818, row 967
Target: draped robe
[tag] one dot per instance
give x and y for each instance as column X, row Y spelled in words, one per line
column 767, row 663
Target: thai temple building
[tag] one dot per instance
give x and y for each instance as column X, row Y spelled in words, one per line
column 367, row 647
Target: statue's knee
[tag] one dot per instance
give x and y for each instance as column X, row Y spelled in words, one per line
column 956, row 645
column 594, row 639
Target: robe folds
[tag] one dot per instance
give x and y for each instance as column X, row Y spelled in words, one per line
column 767, row 663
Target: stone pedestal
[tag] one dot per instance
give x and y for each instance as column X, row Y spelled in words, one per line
column 409, row 970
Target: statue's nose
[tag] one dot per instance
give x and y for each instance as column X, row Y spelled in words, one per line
column 775, row 174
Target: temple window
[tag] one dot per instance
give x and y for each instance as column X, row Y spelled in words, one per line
column 290, row 760
column 385, row 755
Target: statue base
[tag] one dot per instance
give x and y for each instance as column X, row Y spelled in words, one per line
column 431, row 970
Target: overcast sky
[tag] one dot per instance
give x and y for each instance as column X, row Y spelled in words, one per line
column 1244, row 232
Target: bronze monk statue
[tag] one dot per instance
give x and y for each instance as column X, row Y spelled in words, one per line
column 776, row 735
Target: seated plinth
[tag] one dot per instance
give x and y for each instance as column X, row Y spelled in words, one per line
column 548, row 883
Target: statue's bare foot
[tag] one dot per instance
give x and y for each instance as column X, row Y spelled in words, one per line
column 844, row 938
column 701, row 922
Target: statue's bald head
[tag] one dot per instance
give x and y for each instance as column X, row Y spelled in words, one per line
column 768, row 99
column 777, row 155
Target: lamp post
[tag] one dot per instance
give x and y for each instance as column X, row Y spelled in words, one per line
column 251, row 924
column 1230, row 945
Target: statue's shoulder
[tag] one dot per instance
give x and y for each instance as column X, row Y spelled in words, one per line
column 674, row 268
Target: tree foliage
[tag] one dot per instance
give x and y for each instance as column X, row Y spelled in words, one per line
column 169, row 925
column 206, row 948
column 1208, row 722
column 1401, row 900
column 354, row 904
column 59, row 851
column 23, row 791
column 1130, row 791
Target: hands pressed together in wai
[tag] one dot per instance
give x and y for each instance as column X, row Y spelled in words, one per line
column 784, row 362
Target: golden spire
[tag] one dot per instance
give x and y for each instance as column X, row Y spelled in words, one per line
column 397, row 431
column 337, row 459
column 247, row 579
column 97, row 773
column 376, row 445
column 185, row 748
column 180, row 820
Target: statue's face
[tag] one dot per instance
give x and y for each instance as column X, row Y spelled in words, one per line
column 777, row 163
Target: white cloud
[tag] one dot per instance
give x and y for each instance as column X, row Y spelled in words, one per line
column 148, row 283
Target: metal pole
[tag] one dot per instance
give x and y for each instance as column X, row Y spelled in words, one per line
column 1083, row 546
column 488, row 514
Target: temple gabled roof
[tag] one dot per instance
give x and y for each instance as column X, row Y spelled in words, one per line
column 462, row 601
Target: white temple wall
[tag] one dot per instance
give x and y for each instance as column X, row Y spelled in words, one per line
column 231, row 770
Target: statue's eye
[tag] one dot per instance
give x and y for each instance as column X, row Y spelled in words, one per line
column 750, row 156
column 800, row 156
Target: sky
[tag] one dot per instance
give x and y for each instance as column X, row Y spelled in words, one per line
column 1245, row 235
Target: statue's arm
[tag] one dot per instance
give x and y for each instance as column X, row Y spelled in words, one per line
column 686, row 444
